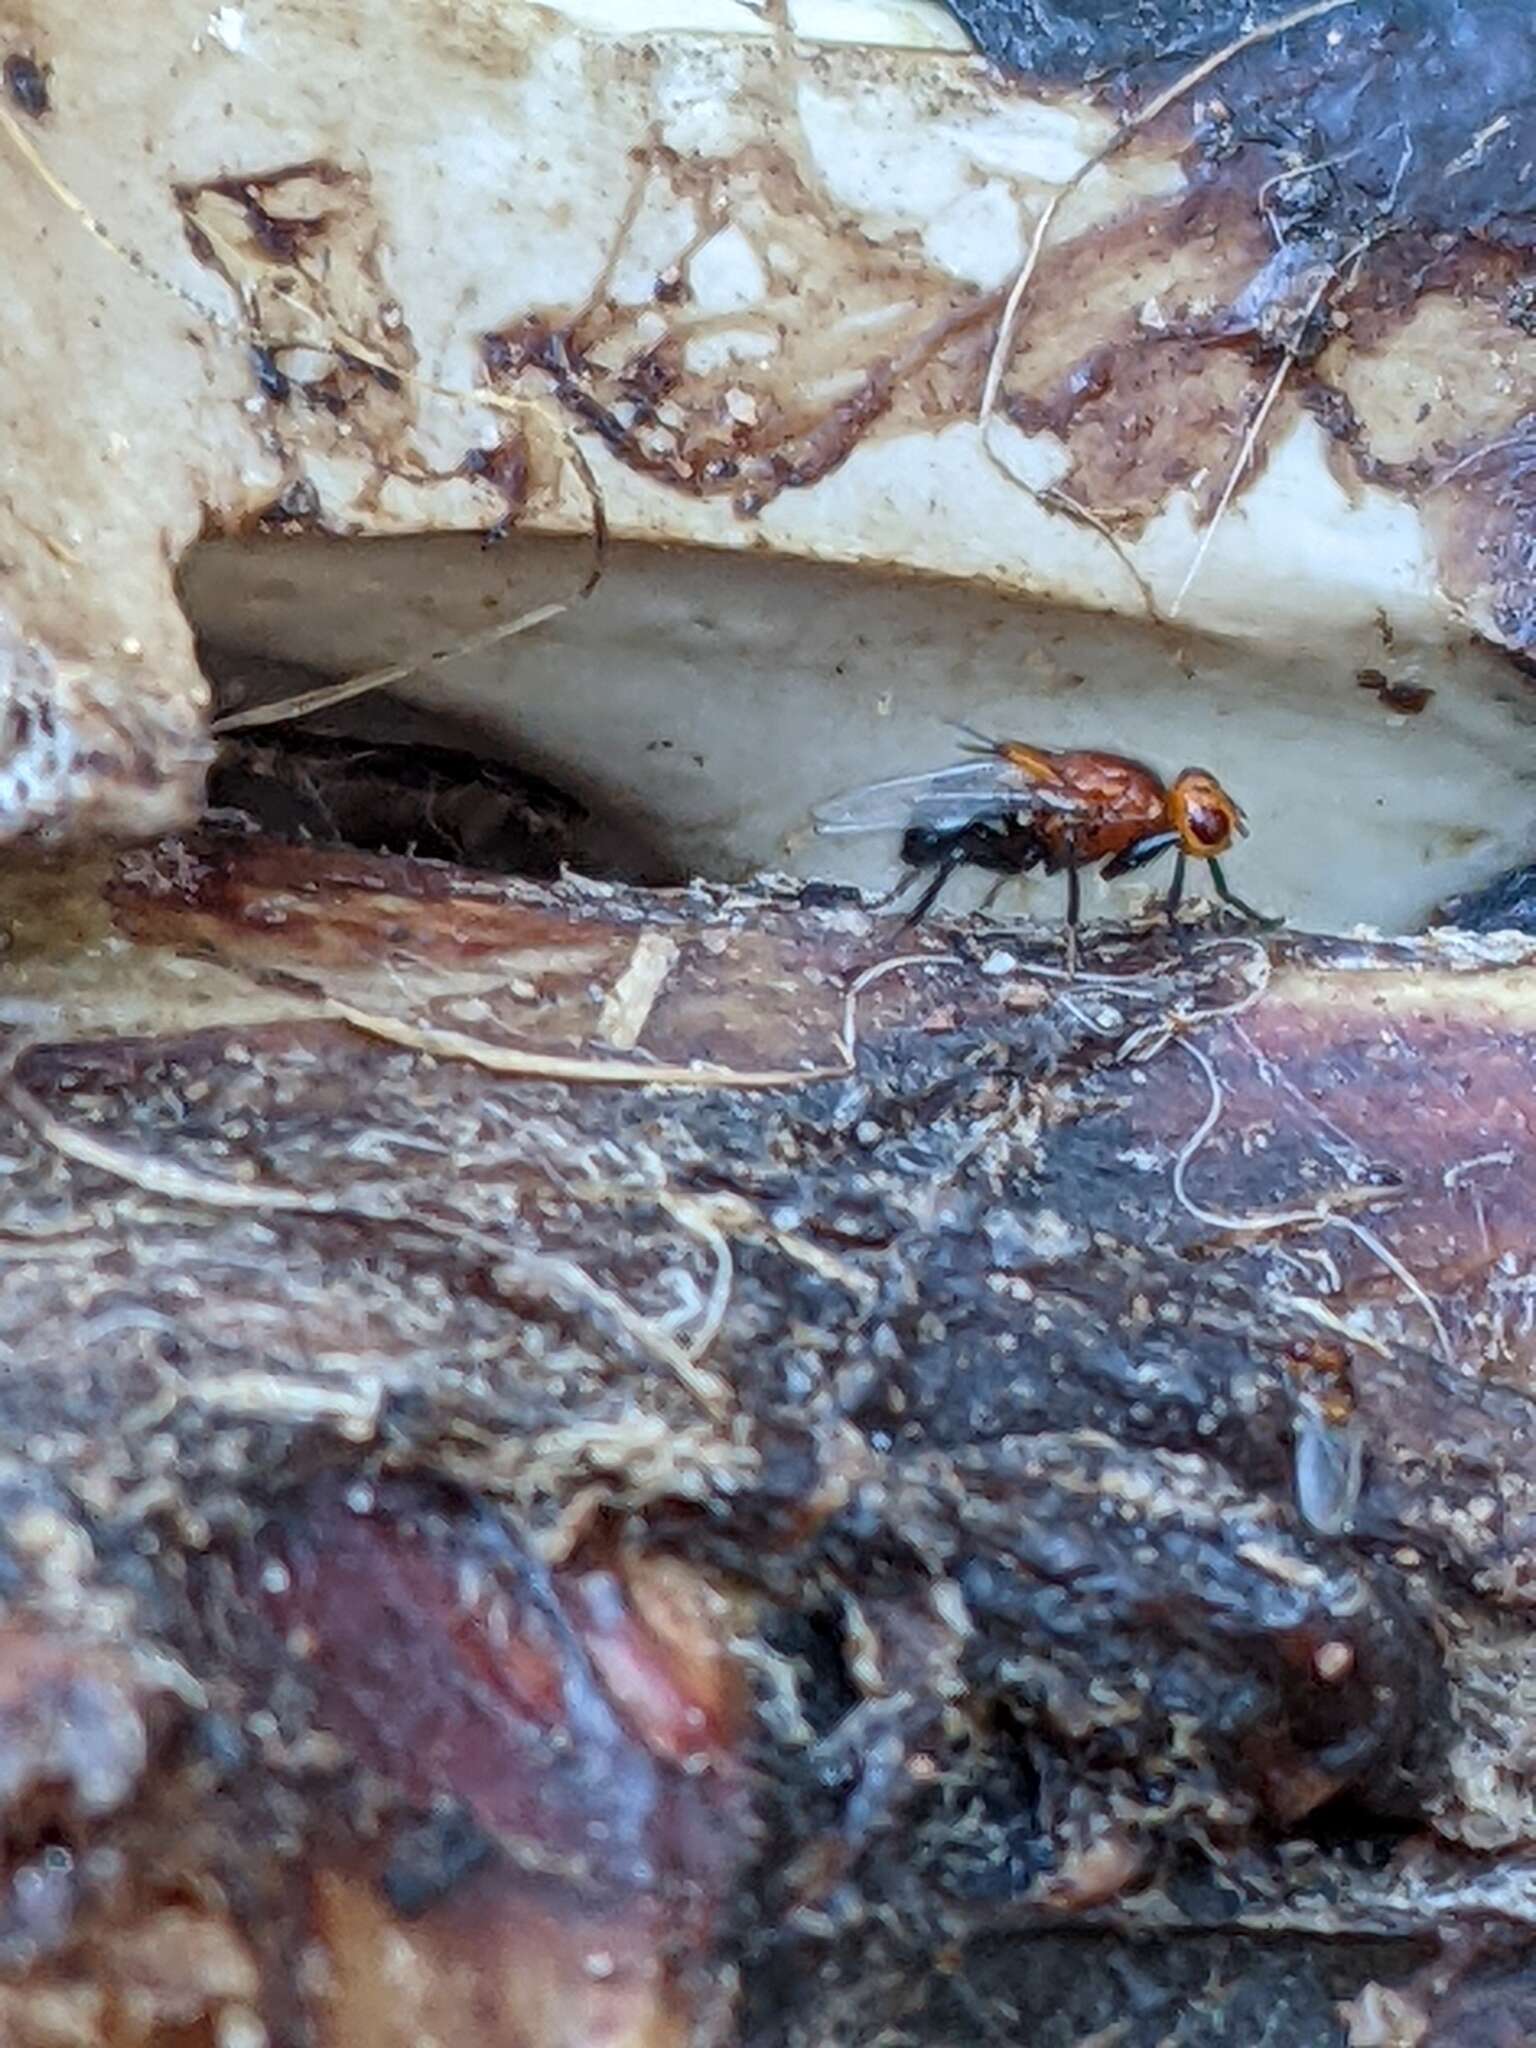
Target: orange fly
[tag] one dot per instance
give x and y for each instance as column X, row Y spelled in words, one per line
column 1010, row 808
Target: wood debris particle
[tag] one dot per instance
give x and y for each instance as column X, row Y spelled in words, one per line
column 627, row 1007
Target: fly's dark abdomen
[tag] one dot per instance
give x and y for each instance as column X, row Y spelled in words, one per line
column 1003, row 846
column 923, row 847
column 1008, row 847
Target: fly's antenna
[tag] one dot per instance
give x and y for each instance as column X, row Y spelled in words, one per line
column 985, row 744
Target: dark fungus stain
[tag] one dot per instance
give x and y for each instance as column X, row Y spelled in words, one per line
column 1489, row 537
column 1520, row 306
column 504, row 468
column 26, row 81
column 1409, row 698
column 27, row 84
column 281, row 236
column 790, row 447
column 1087, row 380
column 749, row 434
column 274, row 381
column 1497, row 2009
column 298, row 505
column 385, row 378
column 1426, row 106
column 431, row 1857
column 1380, row 153
column 1085, row 40
column 1507, row 905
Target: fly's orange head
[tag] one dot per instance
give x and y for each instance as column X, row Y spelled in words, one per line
column 1204, row 816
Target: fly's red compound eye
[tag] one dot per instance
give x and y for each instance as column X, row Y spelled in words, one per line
column 1208, row 825
column 1202, row 813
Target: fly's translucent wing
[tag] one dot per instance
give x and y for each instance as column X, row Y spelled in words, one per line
column 1329, row 1462
column 943, row 799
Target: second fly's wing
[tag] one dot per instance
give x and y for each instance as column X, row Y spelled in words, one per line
column 943, row 799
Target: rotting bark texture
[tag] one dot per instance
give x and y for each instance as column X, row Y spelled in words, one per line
column 865, row 1558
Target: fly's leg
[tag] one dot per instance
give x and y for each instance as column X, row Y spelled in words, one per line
column 993, row 893
column 1074, row 912
column 1175, row 894
column 898, row 889
column 930, row 895
column 1013, row 852
column 1265, row 924
column 1174, row 898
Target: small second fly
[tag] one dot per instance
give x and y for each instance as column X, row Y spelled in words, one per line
column 1010, row 808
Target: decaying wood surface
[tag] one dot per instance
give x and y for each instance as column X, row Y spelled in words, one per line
column 849, row 1540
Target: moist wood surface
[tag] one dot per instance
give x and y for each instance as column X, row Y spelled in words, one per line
column 751, row 1560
